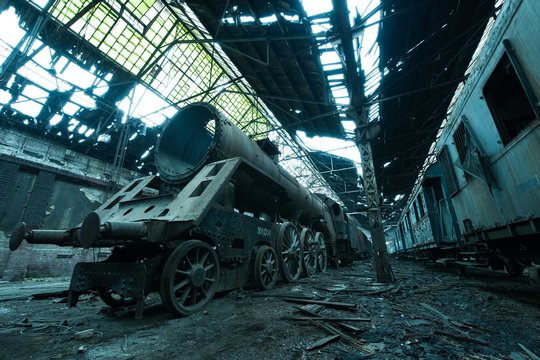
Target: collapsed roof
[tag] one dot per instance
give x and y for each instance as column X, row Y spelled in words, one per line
column 425, row 48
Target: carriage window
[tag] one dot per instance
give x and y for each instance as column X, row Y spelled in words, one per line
column 417, row 217
column 507, row 100
column 460, row 140
column 448, row 170
column 420, row 204
column 409, row 225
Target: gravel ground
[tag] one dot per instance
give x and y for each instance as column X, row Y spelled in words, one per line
column 429, row 313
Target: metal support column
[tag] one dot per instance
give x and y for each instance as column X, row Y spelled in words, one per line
column 376, row 228
column 364, row 134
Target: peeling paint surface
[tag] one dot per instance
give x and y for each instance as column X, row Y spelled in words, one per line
column 94, row 195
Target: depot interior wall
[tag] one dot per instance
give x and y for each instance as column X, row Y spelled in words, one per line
column 47, row 194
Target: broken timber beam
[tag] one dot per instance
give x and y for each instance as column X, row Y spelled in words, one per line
column 325, row 319
column 332, row 304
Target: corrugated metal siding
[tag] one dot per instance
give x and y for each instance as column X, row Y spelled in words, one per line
column 8, row 173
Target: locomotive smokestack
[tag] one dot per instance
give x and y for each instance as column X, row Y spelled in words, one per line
column 198, row 135
column 187, row 142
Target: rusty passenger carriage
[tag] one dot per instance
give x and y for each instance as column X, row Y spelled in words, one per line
column 479, row 201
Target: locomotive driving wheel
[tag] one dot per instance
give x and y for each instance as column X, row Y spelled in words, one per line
column 189, row 278
column 289, row 252
column 309, row 251
column 322, row 256
column 265, row 268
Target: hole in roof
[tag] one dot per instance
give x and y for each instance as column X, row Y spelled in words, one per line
column 105, row 138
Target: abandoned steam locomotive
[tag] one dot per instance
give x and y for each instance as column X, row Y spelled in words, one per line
column 221, row 213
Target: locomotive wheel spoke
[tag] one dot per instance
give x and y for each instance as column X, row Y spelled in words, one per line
column 181, row 285
column 185, row 295
column 189, row 278
column 204, row 258
column 265, row 271
column 194, row 297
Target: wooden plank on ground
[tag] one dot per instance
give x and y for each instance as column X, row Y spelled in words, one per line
column 321, row 318
column 322, row 342
column 532, row 355
column 332, row 304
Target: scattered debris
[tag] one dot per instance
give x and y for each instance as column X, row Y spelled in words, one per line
column 434, row 321
column 368, row 313
column 24, row 323
column 396, row 289
column 357, row 343
column 369, row 291
column 381, row 291
column 351, row 328
column 287, row 296
column 418, row 322
column 325, row 319
column 322, row 342
column 516, row 356
column 532, row 355
column 85, row 334
column 431, row 309
column 333, row 288
column 332, row 304
column 374, row 347
column 461, row 337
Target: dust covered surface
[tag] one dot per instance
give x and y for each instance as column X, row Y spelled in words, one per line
column 429, row 313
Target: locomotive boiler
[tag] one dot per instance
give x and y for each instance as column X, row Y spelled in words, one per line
column 221, row 213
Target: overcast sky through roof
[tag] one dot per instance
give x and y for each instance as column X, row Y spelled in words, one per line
column 331, row 60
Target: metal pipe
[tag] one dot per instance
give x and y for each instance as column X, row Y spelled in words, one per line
column 56, row 237
column 124, row 230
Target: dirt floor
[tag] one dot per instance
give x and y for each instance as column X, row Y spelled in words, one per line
column 429, row 313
